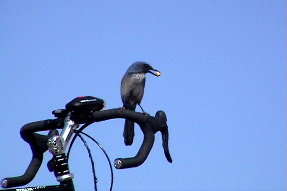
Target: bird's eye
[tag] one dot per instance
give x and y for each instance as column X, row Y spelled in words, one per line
column 146, row 65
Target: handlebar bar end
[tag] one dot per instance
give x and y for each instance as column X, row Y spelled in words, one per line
column 4, row 183
column 123, row 163
column 118, row 163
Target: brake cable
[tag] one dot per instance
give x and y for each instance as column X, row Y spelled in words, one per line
column 75, row 136
column 77, row 133
column 107, row 157
column 92, row 161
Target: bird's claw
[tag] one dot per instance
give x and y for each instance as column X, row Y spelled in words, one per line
column 145, row 113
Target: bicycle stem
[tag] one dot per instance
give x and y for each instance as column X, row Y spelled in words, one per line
column 57, row 146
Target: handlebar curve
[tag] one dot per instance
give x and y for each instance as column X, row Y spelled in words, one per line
column 122, row 163
column 38, row 146
column 149, row 126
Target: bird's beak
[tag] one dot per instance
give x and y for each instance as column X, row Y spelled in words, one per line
column 155, row 72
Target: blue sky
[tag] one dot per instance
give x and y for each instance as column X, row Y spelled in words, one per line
column 223, row 87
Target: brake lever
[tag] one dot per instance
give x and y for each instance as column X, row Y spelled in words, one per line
column 163, row 128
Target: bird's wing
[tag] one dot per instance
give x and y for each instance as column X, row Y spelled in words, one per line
column 126, row 87
column 132, row 89
column 140, row 91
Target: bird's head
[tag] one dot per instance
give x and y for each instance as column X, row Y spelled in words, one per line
column 143, row 67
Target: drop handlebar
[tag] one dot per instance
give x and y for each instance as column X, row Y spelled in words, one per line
column 38, row 143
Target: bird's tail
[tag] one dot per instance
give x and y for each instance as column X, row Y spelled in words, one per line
column 129, row 126
column 129, row 132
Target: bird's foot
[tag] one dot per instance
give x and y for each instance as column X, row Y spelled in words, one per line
column 145, row 113
column 122, row 109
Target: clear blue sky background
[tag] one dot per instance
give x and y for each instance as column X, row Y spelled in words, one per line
column 223, row 87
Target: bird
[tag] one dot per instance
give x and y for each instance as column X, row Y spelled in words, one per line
column 132, row 91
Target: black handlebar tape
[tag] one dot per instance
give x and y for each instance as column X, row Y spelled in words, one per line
column 141, row 156
column 149, row 125
column 34, row 140
column 27, row 176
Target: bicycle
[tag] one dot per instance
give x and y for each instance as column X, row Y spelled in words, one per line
column 81, row 111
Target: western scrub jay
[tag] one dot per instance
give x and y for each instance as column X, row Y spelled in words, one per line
column 132, row 91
